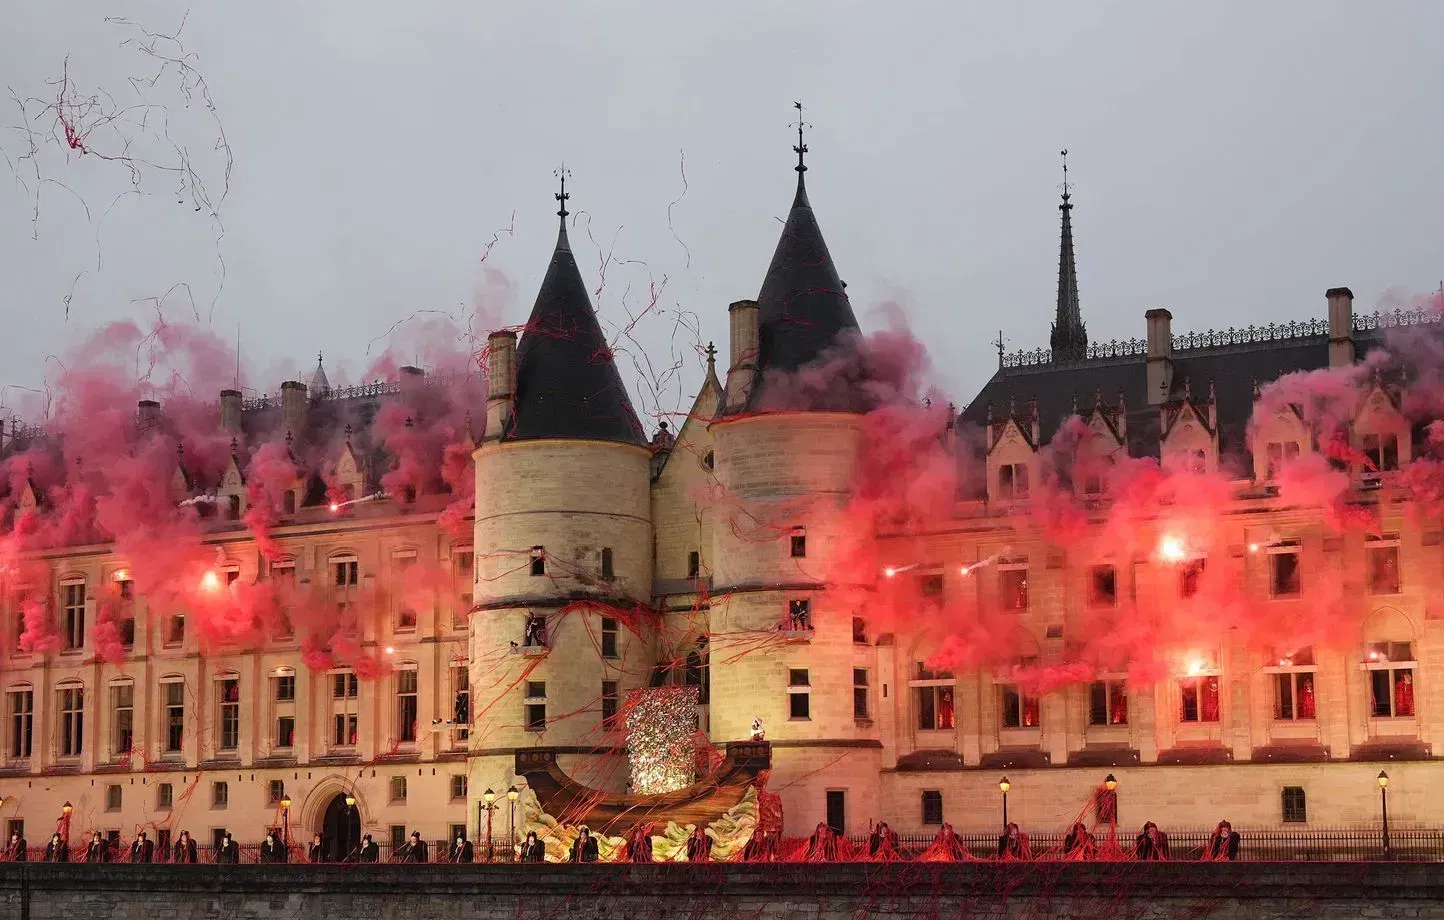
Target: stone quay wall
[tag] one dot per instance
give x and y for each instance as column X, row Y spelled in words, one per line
column 896, row 891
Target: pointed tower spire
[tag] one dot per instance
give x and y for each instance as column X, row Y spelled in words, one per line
column 567, row 384
column 1069, row 338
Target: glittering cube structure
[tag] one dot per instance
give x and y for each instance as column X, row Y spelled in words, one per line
column 661, row 748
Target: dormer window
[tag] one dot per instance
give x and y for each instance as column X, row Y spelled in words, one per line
column 538, row 561
column 1381, row 453
column 233, row 507
column 1013, row 481
column 1280, row 453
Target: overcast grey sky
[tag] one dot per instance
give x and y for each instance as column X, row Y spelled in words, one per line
column 1231, row 161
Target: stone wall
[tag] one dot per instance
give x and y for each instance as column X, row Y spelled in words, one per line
column 757, row 892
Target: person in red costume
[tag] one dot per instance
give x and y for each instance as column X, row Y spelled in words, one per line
column 946, row 847
column 1079, row 844
column 761, row 847
column 1306, row 697
column 1209, row 706
column 1404, row 694
column 822, row 845
column 945, row 708
column 1014, row 844
column 882, row 844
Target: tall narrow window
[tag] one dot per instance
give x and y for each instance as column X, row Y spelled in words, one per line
column 799, row 694
column 1390, row 666
column 1382, row 558
column 122, row 719
column 406, row 705
column 535, row 706
column 1295, row 806
column 861, row 708
column 1013, row 583
column 72, row 598
column 694, row 565
column 230, row 715
column 463, row 570
column 220, row 795
column 859, row 631
column 174, row 714
column 608, row 571
column 164, row 796
column 1103, row 586
column 837, row 811
column 1199, row 698
column 1284, row 578
column 461, row 703
column 1020, row 707
column 609, row 638
column 345, row 691
column 933, row 696
column 698, row 674
column 22, row 723
column 609, row 705
column 405, row 613
column 283, row 581
column 932, row 807
column 285, row 710
column 175, row 630
column 1108, row 702
column 538, row 560
column 72, row 721
column 798, row 544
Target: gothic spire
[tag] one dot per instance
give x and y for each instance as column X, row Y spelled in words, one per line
column 1069, row 338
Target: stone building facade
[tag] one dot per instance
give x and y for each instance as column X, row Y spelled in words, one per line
column 713, row 554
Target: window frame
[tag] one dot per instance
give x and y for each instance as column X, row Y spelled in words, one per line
column 1391, row 544
column 799, row 686
column 1376, row 661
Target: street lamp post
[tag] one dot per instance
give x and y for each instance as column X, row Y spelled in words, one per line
column 286, row 823
column 1110, row 782
column 1384, row 809
column 511, row 796
column 1004, row 785
column 490, row 807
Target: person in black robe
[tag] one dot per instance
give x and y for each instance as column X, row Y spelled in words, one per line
column 532, row 849
column 1152, row 843
column 585, row 849
column 57, row 850
column 316, row 852
column 185, row 849
column 699, row 846
column 15, row 850
column 98, row 851
column 1079, row 844
column 1222, row 844
column 228, row 853
column 272, row 850
column 461, row 851
column 369, row 852
column 414, row 851
column 760, row 847
column 874, row 840
column 1014, row 843
column 142, row 849
column 822, row 845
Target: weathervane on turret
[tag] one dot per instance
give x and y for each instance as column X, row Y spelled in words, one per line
column 561, row 173
column 801, row 148
column 1066, row 187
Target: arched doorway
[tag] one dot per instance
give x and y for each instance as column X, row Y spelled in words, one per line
column 340, row 830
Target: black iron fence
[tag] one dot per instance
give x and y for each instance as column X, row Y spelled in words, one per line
column 1319, row 844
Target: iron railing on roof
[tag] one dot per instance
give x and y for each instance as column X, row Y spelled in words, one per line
column 1220, row 338
column 373, row 390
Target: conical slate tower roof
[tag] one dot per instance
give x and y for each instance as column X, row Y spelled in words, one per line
column 803, row 307
column 1069, row 337
column 567, row 385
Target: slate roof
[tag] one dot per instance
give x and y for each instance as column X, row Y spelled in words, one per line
column 567, row 385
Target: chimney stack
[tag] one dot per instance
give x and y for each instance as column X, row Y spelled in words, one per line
column 500, row 381
column 1341, row 326
column 147, row 414
column 293, row 407
column 1160, row 355
column 231, row 411
column 740, row 372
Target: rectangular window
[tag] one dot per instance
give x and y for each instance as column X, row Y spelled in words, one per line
column 932, row 807
column 798, row 543
column 461, row 702
column 837, row 811
column 1108, row 702
column 346, row 572
column 1013, row 481
column 122, row 719
column 405, row 613
column 1280, row 453
column 859, row 631
column 536, row 706
column 283, row 578
column 398, row 789
column 164, row 797
column 174, row 695
column 406, row 705
column 72, row 599
column 1020, row 708
column 230, row 715
column 538, row 561
column 1391, row 679
column 933, row 694
column 233, row 507
column 175, row 630
column 609, row 638
column 112, row 798
column 286, row 688
column 1198, row 699
column 72, row 721
column 398, row 836
column 860, row 703
column 609, row 571
column 609, row 705
column 799, row 694
column 345, row 690
column 1382, row 558
column 1295, row 806
column 930, row 586
column 463, row 568
column 458, row 787
column 285, row 731
column 220, row 795
column 22, row 723
column 694, row 565
column 799, row 614
column 275, row 791
column 1284, row 578
column 1381, row 453
column 1103, row 586
column 1013, row 585
column 288, row 501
